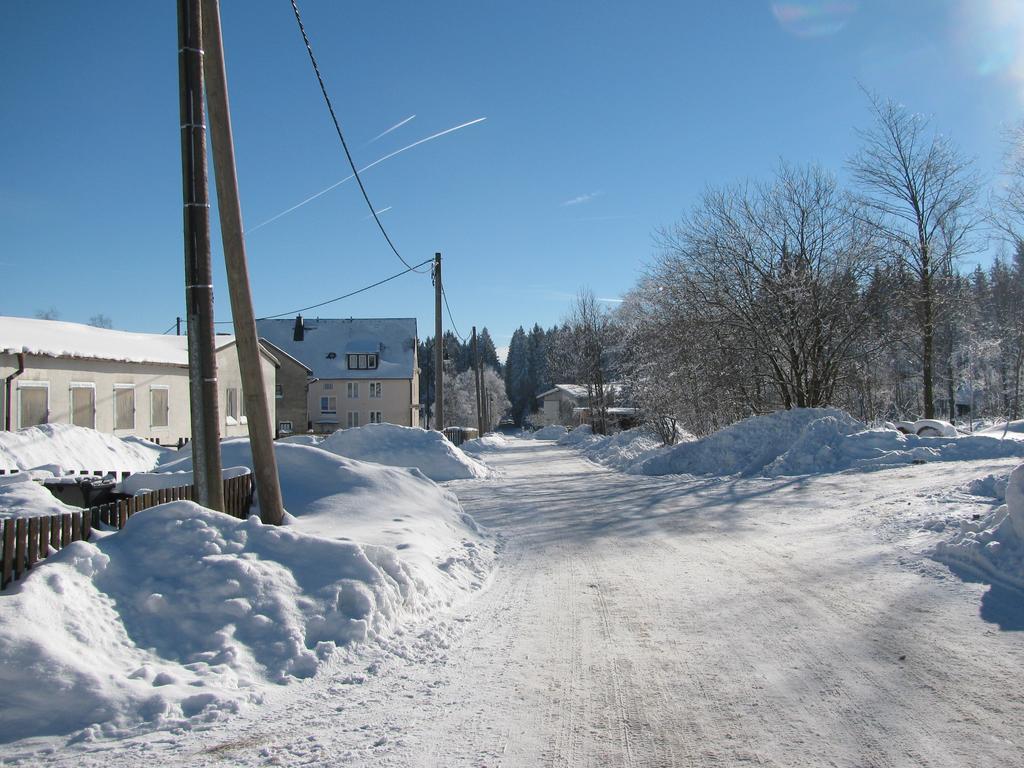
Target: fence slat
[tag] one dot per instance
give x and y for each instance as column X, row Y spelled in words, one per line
column 33, row 541
column 55, row 532
column 76, row 526
column 8, row 556
column 44, row 537
column 86, row 524
column 20, row 545
column 65, row 529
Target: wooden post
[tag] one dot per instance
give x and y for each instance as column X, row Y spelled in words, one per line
column 202, row 358
column 438, row 349
column 257, row 409
column 477, row 382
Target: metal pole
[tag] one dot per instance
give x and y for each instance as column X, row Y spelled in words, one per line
column 257, row 410
column 438, row 348
column 476, row 381
column 202, row 357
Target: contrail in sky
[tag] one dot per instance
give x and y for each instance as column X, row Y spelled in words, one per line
column 389, row 130
column 322, row 192
column 382, row 210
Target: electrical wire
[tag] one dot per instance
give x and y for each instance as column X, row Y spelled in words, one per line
column 450, row 318
column 344, row 144
column 293, row 312
column 173, row 326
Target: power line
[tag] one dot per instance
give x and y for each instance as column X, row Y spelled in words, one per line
column 293, row 312
column 173, row 326
column 450, row 318
column 337, row 127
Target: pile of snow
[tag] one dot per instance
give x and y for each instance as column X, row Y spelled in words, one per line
column 301, row 440
column 620, row 451
column 1013, row 430
column 143, row 482
column 66, row 448
column 428, row 451
column 21, row 496
column 812, row 441
column 187, row 614
column 993, row 547
column 492, row 441
column 550, row 432
column 992, row 486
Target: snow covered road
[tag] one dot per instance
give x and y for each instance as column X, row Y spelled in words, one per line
column 643, row 621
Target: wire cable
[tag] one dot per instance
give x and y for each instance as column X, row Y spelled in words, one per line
column 450, row 318
column 173, row 326
column 293, row 312
column 344, row 144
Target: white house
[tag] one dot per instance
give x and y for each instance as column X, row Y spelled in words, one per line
column 112, row 381
column 569, row 404
column 364, row 371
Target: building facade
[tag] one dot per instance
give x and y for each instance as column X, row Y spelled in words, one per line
column 112, row 381
column 363, row 371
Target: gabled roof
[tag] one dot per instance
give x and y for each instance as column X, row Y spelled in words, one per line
column 326, row 342
column 54, row 338
column 579, row 392
column 280, row 353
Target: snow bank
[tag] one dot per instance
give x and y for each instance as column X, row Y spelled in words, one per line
column 993, row 547
column 301, row 440
column 620, row 451
column 430, row 452
column 154, row 481
column 76, row 448
column 550, row 432
column 489, row 442
column 1013, row 430
column 21, row 496
column 187, row 615
column 813, row 441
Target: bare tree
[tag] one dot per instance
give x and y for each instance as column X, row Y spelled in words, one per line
column 771, row 275
column 920, row 193
column 589, row 324
column 101, row 321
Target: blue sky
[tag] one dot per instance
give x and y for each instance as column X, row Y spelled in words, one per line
column 603, row 122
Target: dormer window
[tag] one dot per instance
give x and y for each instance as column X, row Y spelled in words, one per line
column 331, row 355
column 367, row 362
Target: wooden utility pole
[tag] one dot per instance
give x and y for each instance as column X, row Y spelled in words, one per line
column 476, row 380
column 257, row 410
column 202, row 357
column 438, row 349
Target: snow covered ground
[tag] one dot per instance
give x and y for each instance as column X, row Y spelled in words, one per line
column 663, row 620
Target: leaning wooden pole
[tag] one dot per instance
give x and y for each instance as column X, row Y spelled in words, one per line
column 202, row 356
column 438, row 348
column 477, row 382
column 257, row 409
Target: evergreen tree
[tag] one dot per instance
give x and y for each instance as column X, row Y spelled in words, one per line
column 516, row 368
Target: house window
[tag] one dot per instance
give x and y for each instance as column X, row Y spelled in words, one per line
column 353, row 389
column 124, row 406
column 83, row 404
column 231, row 405
column 33, row 403
column 329, row 404
column 159, row 406
column 278, row 390
column 366, row 362
column 353, row 419
column 284, row 427
column 328, row 385
column 376, row 417
column 375, row 390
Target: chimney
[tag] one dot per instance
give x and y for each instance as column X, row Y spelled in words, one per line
column 299, row 329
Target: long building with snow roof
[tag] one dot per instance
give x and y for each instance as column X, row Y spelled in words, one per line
column 113, row 381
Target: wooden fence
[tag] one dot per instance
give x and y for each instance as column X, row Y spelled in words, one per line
column 28, row 540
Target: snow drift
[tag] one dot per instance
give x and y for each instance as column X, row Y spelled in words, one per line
column 620, row 451
column 187, row 614
column 813, row 441
column 76, row 448
column 550, row 432
column 21, row 496
column 430, row 452
column 993, row 547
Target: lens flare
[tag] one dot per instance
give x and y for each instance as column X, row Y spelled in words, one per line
column 814, row 18
column 990, row 35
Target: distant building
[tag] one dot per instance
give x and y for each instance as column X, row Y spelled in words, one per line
column 291, row 390
column 569, row 404
column 112, row 381
column 363, row 371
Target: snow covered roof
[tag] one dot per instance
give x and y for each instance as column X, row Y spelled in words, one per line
column 579, row 392
column 326, row 342
column 54, row 338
